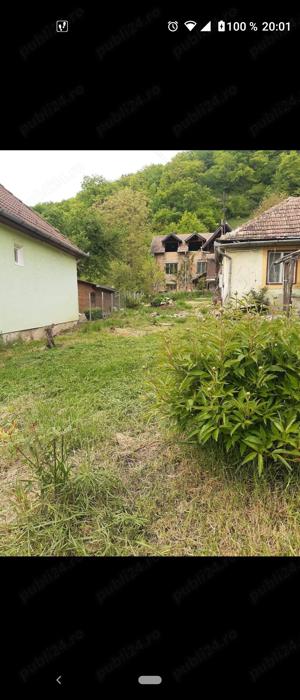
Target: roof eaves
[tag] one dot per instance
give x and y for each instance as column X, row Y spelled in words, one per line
column 191, row 235
column 255, row 242
column 36, row 233
column 174, row 235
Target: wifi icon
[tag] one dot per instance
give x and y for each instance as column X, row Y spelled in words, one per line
column 190, row 24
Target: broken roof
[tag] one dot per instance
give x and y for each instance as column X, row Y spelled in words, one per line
column 281, row 221
column 157, row 241
column 16, row 213
column 216, row 234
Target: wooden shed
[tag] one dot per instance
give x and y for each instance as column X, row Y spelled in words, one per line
column 95, row 296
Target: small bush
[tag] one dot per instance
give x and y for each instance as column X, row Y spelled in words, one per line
column 157, row 301
column 237, row 384
column 255, row 302
column 50, row 465
column 94, row 315
column 133, row 301
column 182, row 304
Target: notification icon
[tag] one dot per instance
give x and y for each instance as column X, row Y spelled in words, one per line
column 62, row 25
column 173, row 26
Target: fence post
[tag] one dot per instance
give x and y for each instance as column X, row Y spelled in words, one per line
column 90, row 306
column 288, row 279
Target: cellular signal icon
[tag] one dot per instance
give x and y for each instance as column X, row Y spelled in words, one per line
column 190, row 24
column 207, row 27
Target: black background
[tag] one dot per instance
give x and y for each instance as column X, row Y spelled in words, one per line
column 215, row 91
column 247, row 607
column 188, row 69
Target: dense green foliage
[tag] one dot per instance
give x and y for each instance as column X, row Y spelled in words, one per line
column 115, row 221
column 237, row 383
column 93, row 314
column 132, row 301
column 157, row 300
column 255, row 301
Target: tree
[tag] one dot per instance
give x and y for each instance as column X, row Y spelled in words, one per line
column 270, row 200
column 95, row 189
column 115, row 221
column 125, row 215
column 187, row 223
column 287, row 178
column 82, row 225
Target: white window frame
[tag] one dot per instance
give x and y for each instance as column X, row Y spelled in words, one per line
column 171, row 273
column 204, row 263
column 280, row 254
column 19, row 255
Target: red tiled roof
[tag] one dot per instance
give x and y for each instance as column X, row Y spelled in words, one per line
column 279, row 222
column 15, row 211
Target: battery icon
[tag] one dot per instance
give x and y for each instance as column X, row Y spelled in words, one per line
column 221, row 26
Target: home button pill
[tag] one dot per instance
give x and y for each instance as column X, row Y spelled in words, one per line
column 150, row 680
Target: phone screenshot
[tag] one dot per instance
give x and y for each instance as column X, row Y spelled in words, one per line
column 149, row 350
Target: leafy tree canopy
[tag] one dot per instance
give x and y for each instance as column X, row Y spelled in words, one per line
column 115, row 221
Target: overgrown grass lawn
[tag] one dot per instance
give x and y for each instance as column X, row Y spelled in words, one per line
column 134, row 487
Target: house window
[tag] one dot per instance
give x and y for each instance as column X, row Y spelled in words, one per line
column 201, row 267
column 171, row 268
column 93, row 298
column 194, row 243
column 275, row 272
column 171, row 244
column 18, row 253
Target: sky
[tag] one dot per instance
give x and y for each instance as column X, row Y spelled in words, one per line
column 44, row 176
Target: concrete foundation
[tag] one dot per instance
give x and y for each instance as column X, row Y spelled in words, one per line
column 39, row 333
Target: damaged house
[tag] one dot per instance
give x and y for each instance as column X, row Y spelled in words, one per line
column 187, row 259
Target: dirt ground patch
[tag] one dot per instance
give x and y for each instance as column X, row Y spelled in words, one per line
column 136, row 332
column 137, row 447
column 9, row 477
column 195, row 303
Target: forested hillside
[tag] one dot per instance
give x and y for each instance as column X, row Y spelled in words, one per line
column 115, row 221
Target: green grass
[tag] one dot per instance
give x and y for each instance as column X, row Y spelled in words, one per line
column 133, row 487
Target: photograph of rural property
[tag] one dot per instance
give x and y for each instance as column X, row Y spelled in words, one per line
column 150, row 353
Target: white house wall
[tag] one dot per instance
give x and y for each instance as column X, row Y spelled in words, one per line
column 246, row 272
column 40, row 292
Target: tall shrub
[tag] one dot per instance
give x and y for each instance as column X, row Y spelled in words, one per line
column 237, row 383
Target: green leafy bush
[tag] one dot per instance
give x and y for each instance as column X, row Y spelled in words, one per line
column 133, row 301
column 94, row 315
column 182, row 304
column 237, row 383
column 254, row 302
column 157, row 300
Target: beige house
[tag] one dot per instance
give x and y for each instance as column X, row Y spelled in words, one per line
column 246, row 256
column 187, row 258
